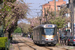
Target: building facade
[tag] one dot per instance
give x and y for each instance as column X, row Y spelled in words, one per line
column 51, row 7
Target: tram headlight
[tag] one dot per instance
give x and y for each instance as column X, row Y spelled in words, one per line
column 53, row 26
column 44, row 25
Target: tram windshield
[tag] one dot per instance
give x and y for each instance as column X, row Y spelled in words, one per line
column 49, row 31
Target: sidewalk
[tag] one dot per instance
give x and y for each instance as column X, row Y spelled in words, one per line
column 11, row 47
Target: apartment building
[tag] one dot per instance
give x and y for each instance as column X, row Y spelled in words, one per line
column 50, row 5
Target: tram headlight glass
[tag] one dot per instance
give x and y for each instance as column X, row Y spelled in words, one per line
column 44, row 25
column 53, row 26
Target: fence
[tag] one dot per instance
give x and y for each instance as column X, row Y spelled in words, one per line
column 7, row 45
column 1, row 31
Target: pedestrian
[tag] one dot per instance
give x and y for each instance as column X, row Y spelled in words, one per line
column 60, row 32
column 61, row 36
column 58, row 37
column 28, row 35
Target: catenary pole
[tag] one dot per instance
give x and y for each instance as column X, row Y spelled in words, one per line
column 72, row 15
column 55, row 7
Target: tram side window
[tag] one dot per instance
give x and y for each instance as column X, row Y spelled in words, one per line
column 34, row 32
column 55, row 31
column 38, row 31
column 42, row 31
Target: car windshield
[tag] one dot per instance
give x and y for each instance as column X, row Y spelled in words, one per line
column 49, row 31
column 74, row 37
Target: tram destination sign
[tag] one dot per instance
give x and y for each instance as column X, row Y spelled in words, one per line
column 49, row 25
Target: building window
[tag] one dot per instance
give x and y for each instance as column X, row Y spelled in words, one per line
column 58, row 8
column 67, row 15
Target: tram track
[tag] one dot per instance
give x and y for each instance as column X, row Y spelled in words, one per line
column 17, row 43
column 47, row 47
column 27, row 44
column 51, row 47
column 31, row 45
column 18, row 47
column 56, row 48
column 36, row 47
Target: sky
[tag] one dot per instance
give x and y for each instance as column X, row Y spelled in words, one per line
column 36, row 4
column 35, row 7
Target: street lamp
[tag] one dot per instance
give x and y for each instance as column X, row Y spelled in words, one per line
column 55, row 7
column 71, row 2
column 40, row 21
column 45, row 10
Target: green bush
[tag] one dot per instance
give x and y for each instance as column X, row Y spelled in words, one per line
column 2, row 42
column 32, row 37
column 18, row 30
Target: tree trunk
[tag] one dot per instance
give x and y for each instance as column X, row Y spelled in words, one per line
column 6, row 34
column 9, row 35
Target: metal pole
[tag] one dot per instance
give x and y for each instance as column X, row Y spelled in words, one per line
column 40, row 21
column 72, row 16
column 55, row 7
column 5, row 45
column 41, row 18
column 8, row 43
column 45, row 15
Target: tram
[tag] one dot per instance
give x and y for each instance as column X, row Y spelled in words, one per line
column 45, row 34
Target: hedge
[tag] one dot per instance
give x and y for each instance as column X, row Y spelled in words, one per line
column 2, row 42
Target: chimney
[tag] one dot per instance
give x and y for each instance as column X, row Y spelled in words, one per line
column 60, row 0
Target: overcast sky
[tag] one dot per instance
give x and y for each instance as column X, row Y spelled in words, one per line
column 36, row 4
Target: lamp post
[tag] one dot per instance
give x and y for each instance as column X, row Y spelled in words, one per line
column 46, row 15
column 72, row 15
column 55, row 7
column 73, row 18
column 40, row 21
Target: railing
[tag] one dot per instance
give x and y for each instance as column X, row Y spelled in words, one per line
column 7, row 45
column 1, row 31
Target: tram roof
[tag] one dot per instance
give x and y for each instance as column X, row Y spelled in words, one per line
column 43, row 25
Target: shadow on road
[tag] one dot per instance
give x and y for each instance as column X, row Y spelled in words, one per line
column 44, row 45
column 14, row 42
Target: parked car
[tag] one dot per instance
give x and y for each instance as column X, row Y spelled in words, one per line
column 71, row 40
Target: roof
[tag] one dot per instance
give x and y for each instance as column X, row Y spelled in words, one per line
column 47, row 4
column 43, row 25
